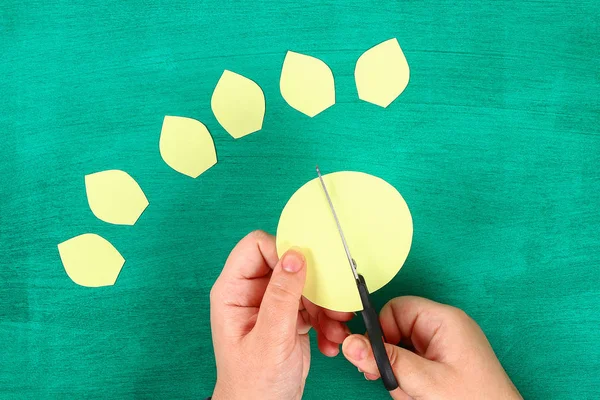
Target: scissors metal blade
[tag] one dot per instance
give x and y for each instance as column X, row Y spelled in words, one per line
column 339, row 227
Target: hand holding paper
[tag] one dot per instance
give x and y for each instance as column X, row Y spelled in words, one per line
column 260, row 323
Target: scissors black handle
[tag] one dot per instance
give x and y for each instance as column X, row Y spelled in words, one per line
column 376, row 337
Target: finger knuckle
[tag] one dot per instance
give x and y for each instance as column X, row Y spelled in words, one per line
column 282, row 292
column 258, row 235
column 400, row 304
column 459, row 315
column 394, row 356
column 215, row 292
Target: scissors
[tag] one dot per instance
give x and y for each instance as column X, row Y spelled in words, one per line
column 369, row 314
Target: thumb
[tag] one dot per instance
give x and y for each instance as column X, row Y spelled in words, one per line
column 412, row 371
column 278, row 312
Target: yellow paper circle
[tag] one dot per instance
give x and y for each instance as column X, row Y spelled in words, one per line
column 377, row 225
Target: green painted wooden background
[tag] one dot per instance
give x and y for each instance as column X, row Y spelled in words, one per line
column 495, row 145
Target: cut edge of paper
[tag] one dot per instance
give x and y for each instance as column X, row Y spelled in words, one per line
column 187, row 146
column 382, row 73
column 301, row 76
column 90, row 260
column 115, row 197
column 238, row 104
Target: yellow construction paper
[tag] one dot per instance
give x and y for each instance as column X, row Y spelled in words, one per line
column 186, row 146
column 115, row 197
column 307, row 84
column 238, row 104
column 382, row 73
column 90, row 260
column 378, row 228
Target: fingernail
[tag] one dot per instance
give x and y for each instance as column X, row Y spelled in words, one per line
column 347, row 330
column 357, row 349
column 292, row 261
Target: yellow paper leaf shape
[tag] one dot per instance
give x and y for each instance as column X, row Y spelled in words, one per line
column 115, row 197
column 186, row 146
column 381, row 73
column 306, row 84
column 90, row 260
column 238, row 104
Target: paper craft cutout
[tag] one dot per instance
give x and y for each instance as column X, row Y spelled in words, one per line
column 306, row 84
column 382, row 73
column 115, row 197
column 238, row 103
column 378, row 228
column 186, row 146
column 90, row 260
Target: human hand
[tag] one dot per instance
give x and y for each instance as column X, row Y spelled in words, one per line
column 260, row 323
column 452, row 358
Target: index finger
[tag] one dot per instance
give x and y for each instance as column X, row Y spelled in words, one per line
column 329, row 325
column 253, row 257
column 245, row 276
column 421, row 321
column 314, row 310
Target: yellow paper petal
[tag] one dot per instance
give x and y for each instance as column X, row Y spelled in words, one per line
column 186, row 146
column 382, row 73
column 377, row 225
column 115, row 197
column 90, row 260
column 238, row 104
column 307, row 84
